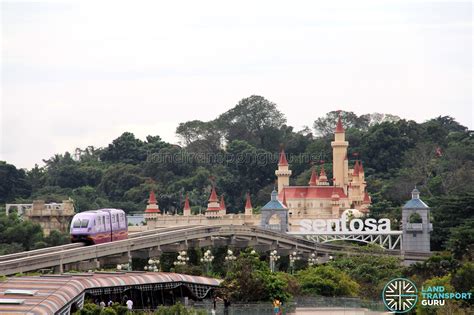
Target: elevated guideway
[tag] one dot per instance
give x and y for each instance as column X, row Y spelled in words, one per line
column 196, row 236
column 179, row 238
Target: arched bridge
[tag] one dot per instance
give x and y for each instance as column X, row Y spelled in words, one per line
column 152, row 243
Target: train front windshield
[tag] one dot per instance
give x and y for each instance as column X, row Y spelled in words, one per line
column 80, row 223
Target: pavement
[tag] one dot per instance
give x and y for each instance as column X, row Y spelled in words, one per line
column 334, row 311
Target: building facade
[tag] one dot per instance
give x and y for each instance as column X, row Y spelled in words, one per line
column 51, row 216
column 320, row 199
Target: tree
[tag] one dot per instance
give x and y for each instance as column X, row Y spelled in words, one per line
column 326, row 280
column 13, row 183
column 461, row 241
column 254, row 119
column 125, row 149
column 325, row 126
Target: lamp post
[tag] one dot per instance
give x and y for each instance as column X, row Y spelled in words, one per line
column 207, row 259
column 273, row 259
column 124, row 267
column 293, row 258
column 181, row 259
column 153, row 265
column 313, row 259
column 230, row 257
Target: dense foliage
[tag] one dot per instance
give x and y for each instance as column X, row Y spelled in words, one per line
column 17, row 235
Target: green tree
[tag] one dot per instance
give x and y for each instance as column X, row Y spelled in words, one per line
column 326, row 280
column 13, row 183
column 461, row 241
column 125, row 149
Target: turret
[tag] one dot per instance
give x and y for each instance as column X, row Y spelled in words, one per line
column 283, row 173
column 213, row 206
column 152, row 210
column 248, row 205
column 313, row 181
column 323, row 180
column 339, row 153
column 187, row 208
column 223, row 209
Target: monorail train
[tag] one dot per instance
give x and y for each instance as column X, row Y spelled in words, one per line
column 99, row 226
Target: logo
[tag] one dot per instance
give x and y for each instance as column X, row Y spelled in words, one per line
column 400, row 295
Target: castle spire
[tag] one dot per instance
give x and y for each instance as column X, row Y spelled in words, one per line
column 314, row 178
column 152, row 198
column 213, row 206
column 284, row 199
column 222, row 203
column 187, row 208
column 248, row 205
column 282, row 161
column 213, row 196
column 356, row 168
column 248, row 202
column 361, row 168
column 152, row 206
column 339, row 127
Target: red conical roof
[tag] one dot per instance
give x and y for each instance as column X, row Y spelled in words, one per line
column 222, row 203
column 367, row 199
column 186, row 203
column 323, row 172
column 339, row 127
column 314, row 178
column 361, row 168
column 356, row 168
column 283, row 161
column 152, row 199
column 213, row 196
column 248, row 202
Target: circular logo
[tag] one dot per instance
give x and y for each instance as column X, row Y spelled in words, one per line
column 400, row 295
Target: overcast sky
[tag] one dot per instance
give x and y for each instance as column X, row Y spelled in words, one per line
column 80, row 73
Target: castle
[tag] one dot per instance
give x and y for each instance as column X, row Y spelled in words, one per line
column 318, row 200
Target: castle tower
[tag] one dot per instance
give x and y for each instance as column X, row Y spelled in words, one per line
column 223, row 209
column 187, row 208
column 248, row 205
column 283, row 173
column 323, row 179
column 313, row 181
column 416, row 224
column 152, row 210
column 274, row 209
column 339, row 153
column 335, row 202
column 213, row 206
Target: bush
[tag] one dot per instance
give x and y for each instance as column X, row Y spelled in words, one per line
column 178, row 309
column 326, row 280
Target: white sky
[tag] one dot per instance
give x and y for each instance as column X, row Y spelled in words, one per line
column 81, row 73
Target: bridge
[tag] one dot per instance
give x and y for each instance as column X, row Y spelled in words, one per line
column 153, row 242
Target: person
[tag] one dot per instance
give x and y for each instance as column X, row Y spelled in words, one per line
column 129, row 304
column 226, row 306
column 276, row 307
column 110, row 303
column 102, row 304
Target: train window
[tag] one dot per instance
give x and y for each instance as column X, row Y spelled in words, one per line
column 113, row 219
column 77, row 223
column 84, row 223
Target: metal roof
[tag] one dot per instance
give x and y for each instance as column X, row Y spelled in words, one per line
column 274, row 203
column 53, row 292
column 415, row 204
